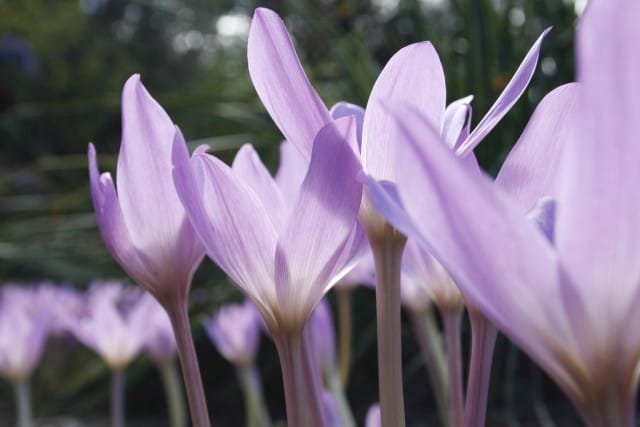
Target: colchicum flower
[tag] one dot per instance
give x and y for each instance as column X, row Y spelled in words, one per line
column 144, row 225
column 570, row 301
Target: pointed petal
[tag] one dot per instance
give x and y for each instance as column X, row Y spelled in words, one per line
column 500, row 261
column 281, row 82
column 346, row 109
column 413, row 76
column 230, row 220
column 111, row 223
column 325, row 215
column 291, row 172
column 456, row 122
column 507, row 98
column 249, row 168
column 598, row 228
column 530, row 170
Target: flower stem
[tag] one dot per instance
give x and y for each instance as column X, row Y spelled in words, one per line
column 387, row 254
column 173, row 393
column 432, row 348
column 483, row 340
column 189, row 362
column 117, row 398
column 452, row 319
column 345, row 324
column 23, row 403
column 300, row 379
column 256, row 409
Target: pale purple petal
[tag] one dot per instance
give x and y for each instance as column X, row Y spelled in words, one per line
column 507, row 98
column 291, row 172
column 456, row 122
column 598, row 226
column 325, row 217
column 530, row 171
column 230, row 219
column 281, row 82
column 413, row 76
column 373, row 417
column 346, row 109
column 322, row 332
column 249, row 168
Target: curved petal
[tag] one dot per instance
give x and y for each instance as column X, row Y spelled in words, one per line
column 325, row 215
column 111, row 223
column 291, row 171
column 249, row 168
column 598, row 228
column 456, row 122
column 530, row 170
column 230, row 220
column 281, row 83
column 346, row 109
column 499, row 260
column 507, row 98
column 413, row 76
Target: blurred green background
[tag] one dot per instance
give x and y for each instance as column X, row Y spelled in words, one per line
column 62, row 66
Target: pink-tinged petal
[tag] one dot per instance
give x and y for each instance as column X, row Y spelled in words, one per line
column 230, row 219
column 311, row 247
column 500, row 261
column 249, row 168
column 373, row 417
column 111, row 223
column 456, row 122
column 144, row 173
column 346, row 109
column 291, row 172
column 530, row 171
column 598, row 228
column 281, row 83
column 413, row 76
column 507, row 98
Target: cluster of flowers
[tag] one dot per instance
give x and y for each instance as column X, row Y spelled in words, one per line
column 547, row 252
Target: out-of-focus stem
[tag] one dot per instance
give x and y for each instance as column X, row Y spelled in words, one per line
column 173, row 393
column 611, row 405
column 189, row 362
column 256, row 409
column 335, row 386
column 300, row 379
column 483, row 340
column 430, row 342
column 452, row 320
column 117, row 398
column 345, row 325
column 22, row 392
column 387, row 253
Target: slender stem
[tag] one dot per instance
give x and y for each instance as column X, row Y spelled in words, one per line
column 303, row 408
column 387, row 254
column 337, row 390
column 452, row 320
column 173, row 392
column 313, row 381
column 345, row 324
column 23, row 402
column 432, row 348
column 189, row 362
column 257, row 413
column 483, row 340
column 117, row 398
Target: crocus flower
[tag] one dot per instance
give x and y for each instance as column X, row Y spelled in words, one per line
column 373, row 417
column 569, row 303
column 144, row 225
column 235, row 331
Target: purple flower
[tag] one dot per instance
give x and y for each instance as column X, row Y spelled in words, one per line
column 235, row 331
column 322, row 334
column 23, row 332
column 159, row 339
column 284, row 256
column 115, row 323
column 571, row 301
column 373, row 417
column 144, row 225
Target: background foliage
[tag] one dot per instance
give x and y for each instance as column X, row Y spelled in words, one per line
column 62, row 66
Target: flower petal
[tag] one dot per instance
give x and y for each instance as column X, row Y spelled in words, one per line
column 456, row 122
column 291, row 172
column 413, row 76
column 346, row 109
column 311, row 246
column 281, row 82
column 530, row 170
column 507, row 98
column 230, row 219
column 249, row 168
